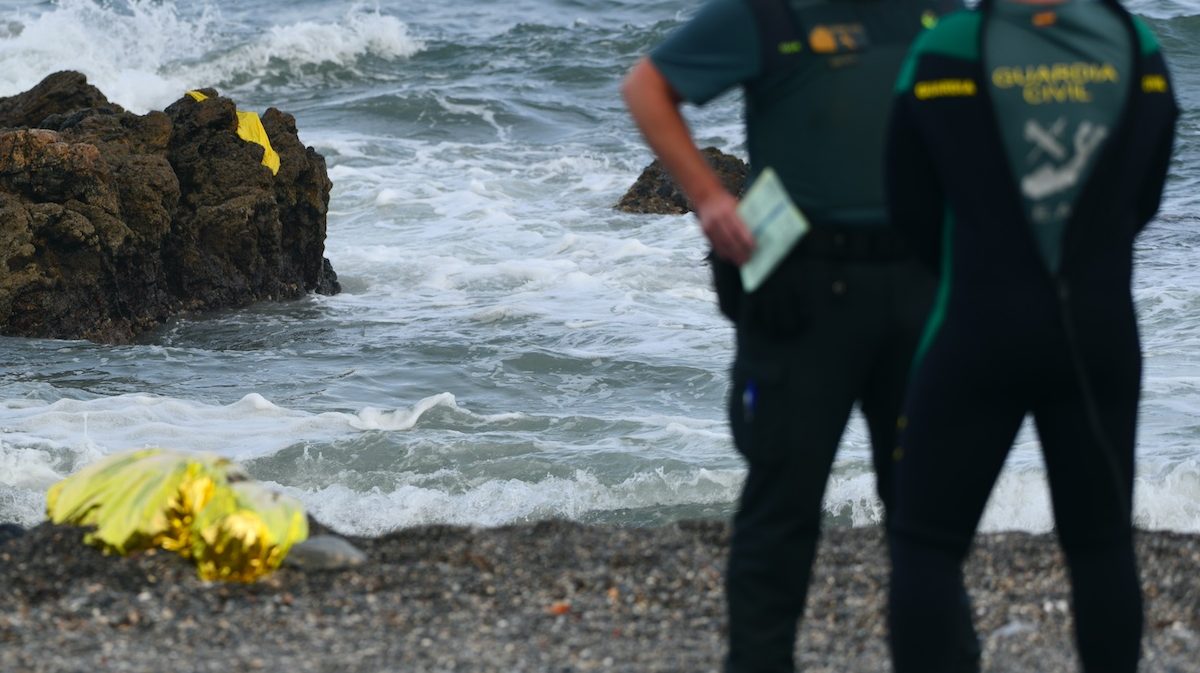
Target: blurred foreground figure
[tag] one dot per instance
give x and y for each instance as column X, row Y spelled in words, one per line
column 1029, row 145
column 837, row 322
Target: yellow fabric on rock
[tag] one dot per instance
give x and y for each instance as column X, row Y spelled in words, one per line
column 251, row 130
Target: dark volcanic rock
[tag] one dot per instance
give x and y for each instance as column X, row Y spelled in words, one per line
column 112, row 222
column 655, row 193
column 59, row 93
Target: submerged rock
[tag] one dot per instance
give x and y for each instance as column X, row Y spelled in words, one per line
column 111, row 222
column 655, row 193
column 325, row 552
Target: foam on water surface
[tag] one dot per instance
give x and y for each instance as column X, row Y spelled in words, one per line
column 508, row 347
column 144, row 54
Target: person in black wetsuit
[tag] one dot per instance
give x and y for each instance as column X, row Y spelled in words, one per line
column 837, row 322
column 1029, row 144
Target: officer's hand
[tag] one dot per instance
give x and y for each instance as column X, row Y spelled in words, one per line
column 729, row 236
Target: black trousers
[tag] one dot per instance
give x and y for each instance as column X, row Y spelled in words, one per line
column 817, row 337
column 969, row 396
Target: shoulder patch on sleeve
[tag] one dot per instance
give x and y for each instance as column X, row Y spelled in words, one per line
column 956, row 35
column 1146, row 37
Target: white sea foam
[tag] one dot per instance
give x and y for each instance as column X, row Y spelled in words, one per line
column 252, row 427
column 399, row 419
column 22, row 506
column 1165, row 498
column 44, row 442
column 1163, row 9
column 497, row 232
column 504, row 501
column 121, row 52
column 852, row 496
column 288, row 49
column 26, row 468
column 1169, row 497
column 41, row 443
column 143, row 54
column 482, row 111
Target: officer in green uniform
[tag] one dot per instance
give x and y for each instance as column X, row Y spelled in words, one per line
column 836, row 324
column 1030, row 142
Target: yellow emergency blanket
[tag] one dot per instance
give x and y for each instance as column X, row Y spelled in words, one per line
column 198, row 505
column 250, row 539
column 251, row 130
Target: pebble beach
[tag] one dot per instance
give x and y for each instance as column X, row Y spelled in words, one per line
column 552, row 596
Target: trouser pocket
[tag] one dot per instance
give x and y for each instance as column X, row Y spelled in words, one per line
column 727, row 281
column 758, row 410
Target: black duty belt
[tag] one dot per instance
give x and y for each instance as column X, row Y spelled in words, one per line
column 853, row 244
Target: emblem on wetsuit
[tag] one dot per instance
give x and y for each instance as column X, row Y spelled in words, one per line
column 1049, row 179
column 1057, row 82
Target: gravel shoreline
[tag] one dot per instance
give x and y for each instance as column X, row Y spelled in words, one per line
column 551, row 596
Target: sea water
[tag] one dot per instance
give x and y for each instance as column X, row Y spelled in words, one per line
column 507, row 346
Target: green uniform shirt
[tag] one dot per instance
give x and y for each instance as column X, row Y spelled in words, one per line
column 714, row 52
column 1059, row 77
column 819, row 121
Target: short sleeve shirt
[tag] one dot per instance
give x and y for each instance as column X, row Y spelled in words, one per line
column 715, row 51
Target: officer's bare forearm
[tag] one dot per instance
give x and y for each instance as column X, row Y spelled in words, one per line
column 654, row 106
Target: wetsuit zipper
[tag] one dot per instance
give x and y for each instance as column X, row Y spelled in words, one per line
column 1064, row 291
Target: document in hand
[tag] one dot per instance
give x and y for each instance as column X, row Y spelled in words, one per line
column 775, row 223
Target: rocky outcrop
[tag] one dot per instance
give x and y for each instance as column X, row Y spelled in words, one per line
column 655, row 193
column 60, row 92
column 111, row 222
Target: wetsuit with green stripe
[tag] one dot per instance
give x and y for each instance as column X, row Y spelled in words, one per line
column 837, row 323
column 1029, row 145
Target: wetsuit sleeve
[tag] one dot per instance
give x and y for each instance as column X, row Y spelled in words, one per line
column 1155, row 181
column 714, row 52
column 1155, row 68
column 916, row 203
